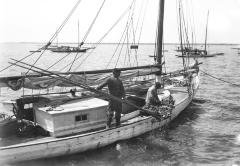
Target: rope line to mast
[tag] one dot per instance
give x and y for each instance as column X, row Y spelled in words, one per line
column 59, row 61
column 17, row 62
column 123, row 36
column 141, row 27
column 185, row 27
column 101, row 39
column 35, row 62
column 73, row 61
column 144, row 14
column 210, row 75
column 114, row 53
column 51, row 39
column 127, row 51
column 180, row 31
column 60, row 28
column 94, row 20
column 64, row 22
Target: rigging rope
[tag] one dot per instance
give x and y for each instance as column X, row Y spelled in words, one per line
column 141, row 27
column 51, row 39
column 125, row 35
column 125, row 57
column 58, row 61
column 73, row 61
column 238, row 85
column 191, row 18
column 64, row 22
column 155, row 45
column 185, row 29
column 180, row 32
column 144, row 14
column 17, row 62
column 100, row 40
column 139, row 17
column 60, row 28
column 127, row 50
column 114, row 53
column 94, row 20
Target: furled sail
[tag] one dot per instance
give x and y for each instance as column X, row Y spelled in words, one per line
column 35, row 81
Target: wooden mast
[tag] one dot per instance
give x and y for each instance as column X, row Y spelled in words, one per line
column 57, row 39
column 160, row 39
column 205, row 45
column 78, row 35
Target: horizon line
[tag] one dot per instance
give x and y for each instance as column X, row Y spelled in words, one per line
column 150, row 43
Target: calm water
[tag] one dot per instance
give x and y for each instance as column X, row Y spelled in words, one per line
column 206, row 133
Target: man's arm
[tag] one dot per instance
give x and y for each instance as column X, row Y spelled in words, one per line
column 155, row 97
column 122, row 90
column 102, row 85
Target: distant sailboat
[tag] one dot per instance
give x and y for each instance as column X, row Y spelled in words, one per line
column 69, row 49
column 198, row 53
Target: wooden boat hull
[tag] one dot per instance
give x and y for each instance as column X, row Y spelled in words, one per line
column 196, row 56
column 52, row 147
column 201, row 56
column 63, row 51
column 35, row 51
column 81, row 143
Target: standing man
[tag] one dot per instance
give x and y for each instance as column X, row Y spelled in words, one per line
column 115, row 88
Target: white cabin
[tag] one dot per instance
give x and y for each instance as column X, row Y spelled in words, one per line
column 72, row 117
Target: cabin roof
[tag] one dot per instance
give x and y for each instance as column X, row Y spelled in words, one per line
column 74, row 105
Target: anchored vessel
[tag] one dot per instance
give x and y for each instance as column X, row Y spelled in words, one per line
column 56, row 124
column 195, row 52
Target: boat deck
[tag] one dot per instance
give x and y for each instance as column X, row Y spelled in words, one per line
column 179, row 94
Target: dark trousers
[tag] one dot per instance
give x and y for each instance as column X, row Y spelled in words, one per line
column 114, row 106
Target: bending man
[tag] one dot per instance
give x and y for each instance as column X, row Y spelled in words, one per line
column 152, row 96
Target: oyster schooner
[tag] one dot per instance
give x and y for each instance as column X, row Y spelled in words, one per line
column 56, row 124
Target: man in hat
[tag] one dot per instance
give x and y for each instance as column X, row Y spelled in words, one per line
column 115, row 88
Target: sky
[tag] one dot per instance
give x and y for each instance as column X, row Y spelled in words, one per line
column 37, row 20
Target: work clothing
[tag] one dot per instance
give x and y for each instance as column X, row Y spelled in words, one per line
column 152, row 97
column 115, row 88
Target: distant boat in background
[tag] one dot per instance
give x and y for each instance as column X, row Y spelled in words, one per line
column 63, row 49
column 69, row 49
column 134, row 46
column 198, row 53
column 35, row 51
column 186, row 49
column 236, row 48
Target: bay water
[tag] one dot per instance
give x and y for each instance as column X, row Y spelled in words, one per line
column 206, row 133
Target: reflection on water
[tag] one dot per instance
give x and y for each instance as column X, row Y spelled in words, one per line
column 206, row 133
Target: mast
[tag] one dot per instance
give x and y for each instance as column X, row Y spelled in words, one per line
column 160, row 38
column 57, row 39
column 205, row 45
column 181, row 37
column 78, row 34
